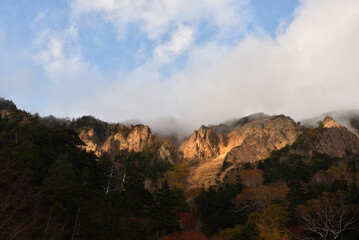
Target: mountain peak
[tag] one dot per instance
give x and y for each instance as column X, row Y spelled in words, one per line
column 329, row 122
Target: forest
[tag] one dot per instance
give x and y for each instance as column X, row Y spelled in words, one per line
column 51, row 188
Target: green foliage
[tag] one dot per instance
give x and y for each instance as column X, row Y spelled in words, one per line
column 8, row 105
column 293, row 168
column 303, row 138
column 214, row 207
column 55, row 190
column 168, row 203
column 249, row 232
column 62, row 188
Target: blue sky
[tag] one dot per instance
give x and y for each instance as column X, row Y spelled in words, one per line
column 102, row 45
column 200, row 60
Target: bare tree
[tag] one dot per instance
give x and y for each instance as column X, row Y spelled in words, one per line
column 257, row 198
column 328, row 216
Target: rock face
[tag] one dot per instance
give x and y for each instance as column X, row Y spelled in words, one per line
column 136, row 138
column 247, row 142
column 345, row 118
column 202, row 145
column 250, row 139
column 254, row 140
column 243, row 140
column 330, row 138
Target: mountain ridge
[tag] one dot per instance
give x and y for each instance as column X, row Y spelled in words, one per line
column 207, row 149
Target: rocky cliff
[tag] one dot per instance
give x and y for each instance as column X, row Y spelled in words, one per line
column 243, row 140
column 203, row 145
column 136, row 138
column 329, row 138
column 249, row 141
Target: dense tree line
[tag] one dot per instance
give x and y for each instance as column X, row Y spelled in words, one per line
column 50, row 188
column 285, row 196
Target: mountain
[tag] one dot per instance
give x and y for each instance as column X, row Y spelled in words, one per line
column 346, row 118
column 209, row 148
column 89, row 179
column 251, row 139
column 52, row 188
column 329, row 138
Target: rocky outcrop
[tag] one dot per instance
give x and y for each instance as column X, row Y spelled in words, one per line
column 136, row 138
column 202, row 145
column 330, row 123
column 248, row 142
column 329, row 138
column 254, row 141
column 89, row 137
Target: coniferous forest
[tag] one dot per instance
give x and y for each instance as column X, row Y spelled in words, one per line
column 51, row 188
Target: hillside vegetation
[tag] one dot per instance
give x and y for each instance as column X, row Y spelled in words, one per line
column 53, row 187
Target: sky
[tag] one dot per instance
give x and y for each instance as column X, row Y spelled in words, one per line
column 179, row 63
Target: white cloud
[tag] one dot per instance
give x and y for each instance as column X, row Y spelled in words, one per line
column 181, row 40
column 157, row 16
column 309, row 69
column 58, row 53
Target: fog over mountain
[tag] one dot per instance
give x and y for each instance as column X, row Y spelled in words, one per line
column 307, row 66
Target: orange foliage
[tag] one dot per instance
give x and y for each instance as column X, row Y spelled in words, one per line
column 252, row 178
column 327, row 177
column 257, row 198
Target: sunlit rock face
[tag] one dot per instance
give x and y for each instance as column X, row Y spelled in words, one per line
column 136, row 138
column 247, row 142
column 207, row 148
column 203, row 145
column 330, row 123
column 257, row 138
column 89, row 137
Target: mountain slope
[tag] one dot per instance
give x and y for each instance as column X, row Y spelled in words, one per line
column 209, row 148
column 249, row 141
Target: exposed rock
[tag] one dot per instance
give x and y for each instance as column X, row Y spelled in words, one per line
column 136, row 138
column 329, row 123
column 256, row 139
column 346, row 118
column 165, row 153
column 4, row 113
column 246, row 140
column 331, row 139
column 89, row 137
column 202, row 145
column 250, row 141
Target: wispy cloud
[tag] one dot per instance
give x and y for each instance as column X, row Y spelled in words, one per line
column 308, row 67
column 157, row 16
column 181, row 40
column 57, row 53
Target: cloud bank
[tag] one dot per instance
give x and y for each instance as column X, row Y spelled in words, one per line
column 308, row 67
